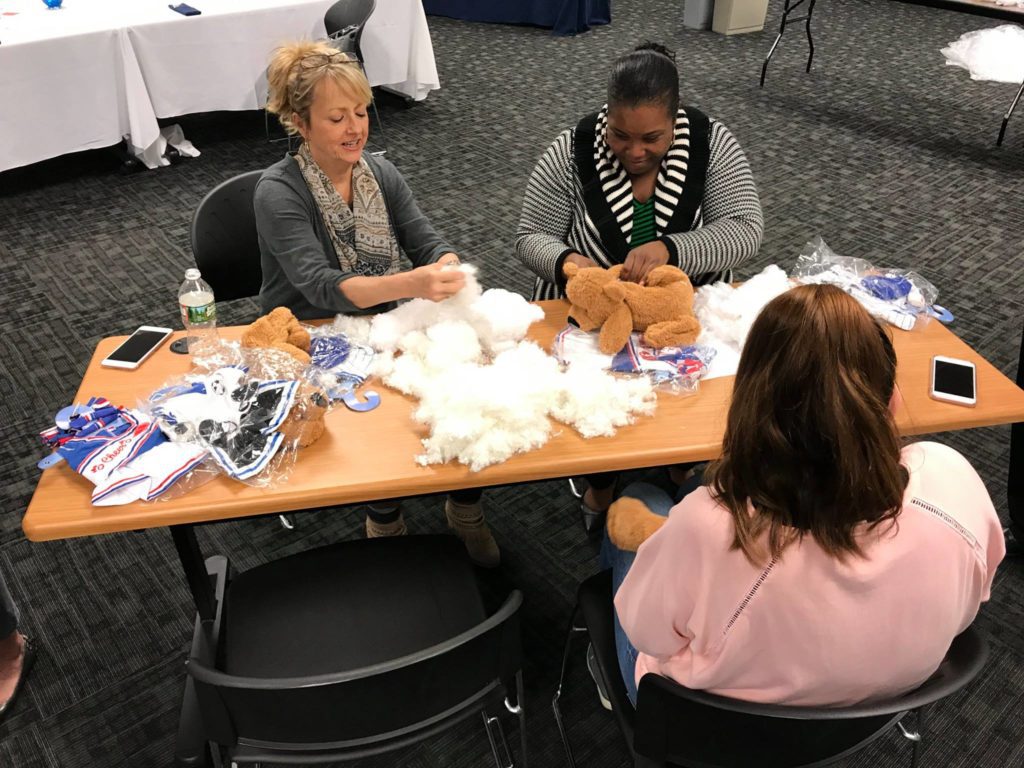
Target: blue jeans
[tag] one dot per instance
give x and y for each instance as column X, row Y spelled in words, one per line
column 8, row 611
column 620, row 561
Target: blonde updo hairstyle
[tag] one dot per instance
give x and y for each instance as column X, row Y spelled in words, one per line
column 292, row 85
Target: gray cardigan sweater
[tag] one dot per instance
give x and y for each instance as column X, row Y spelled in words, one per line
column 300, row 268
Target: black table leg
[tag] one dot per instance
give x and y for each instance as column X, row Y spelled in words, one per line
column 191, row 748
column 195, row 570
column 1006, row 117
column 789, row 7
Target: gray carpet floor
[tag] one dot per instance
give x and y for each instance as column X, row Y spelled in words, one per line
column 881, row 149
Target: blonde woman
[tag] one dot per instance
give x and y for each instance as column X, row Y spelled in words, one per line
column 333, row 223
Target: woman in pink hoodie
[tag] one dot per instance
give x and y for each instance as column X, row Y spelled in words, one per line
column 822, row 562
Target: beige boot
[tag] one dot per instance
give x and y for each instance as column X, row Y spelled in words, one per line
column 377, row 529
column 467, row 521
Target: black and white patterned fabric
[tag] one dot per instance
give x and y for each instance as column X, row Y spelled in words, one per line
column 561, row 213
column 671, row 177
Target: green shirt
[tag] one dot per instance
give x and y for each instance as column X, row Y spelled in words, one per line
column 643, row 223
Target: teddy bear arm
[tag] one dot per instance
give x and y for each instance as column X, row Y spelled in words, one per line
column 631, row 523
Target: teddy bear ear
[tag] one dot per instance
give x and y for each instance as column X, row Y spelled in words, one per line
column 570, row 269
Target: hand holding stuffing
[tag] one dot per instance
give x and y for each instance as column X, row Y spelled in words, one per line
column 434, row 282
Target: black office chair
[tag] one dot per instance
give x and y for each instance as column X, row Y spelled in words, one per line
column 345, row 21
column 357, row 649
column 1015, row 480
column 676, row 726
column 226, row 247
column 224, row 241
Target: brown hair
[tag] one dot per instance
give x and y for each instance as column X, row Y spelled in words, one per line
column 292, row 81
column 810, row 444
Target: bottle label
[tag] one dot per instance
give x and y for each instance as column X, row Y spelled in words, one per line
column 204, row 313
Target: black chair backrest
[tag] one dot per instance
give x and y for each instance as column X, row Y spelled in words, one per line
column 224, row 241
column 1015, row 482
column 679, row 726
column 345, row 21
column 363, row 710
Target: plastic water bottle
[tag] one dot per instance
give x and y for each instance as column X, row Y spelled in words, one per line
column 198, row 310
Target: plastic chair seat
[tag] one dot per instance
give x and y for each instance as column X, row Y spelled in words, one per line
column 321, row 611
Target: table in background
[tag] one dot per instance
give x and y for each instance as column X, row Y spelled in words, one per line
column 564, row 17
column 987, row 8
column 95, row 71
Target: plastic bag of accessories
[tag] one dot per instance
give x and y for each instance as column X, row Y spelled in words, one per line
column 901, row 298
column 677, row 370
column 252, row 417
column 672, row 369
column 338, row 364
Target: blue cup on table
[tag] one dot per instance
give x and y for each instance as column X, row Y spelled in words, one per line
column 52, row 4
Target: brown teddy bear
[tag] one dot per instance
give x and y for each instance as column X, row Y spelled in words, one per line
column 662, row 308
column 305, row 421
column 279, row 330
column 631, row 523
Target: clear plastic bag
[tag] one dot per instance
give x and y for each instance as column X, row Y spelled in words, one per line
column 339, row 365
column 677, row 370
column 901, row 298
column 251, row 415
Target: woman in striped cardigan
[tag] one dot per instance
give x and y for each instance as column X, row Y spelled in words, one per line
column 642, row 182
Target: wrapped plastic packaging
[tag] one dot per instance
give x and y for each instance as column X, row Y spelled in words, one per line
column 250, row 409
column 671, row 369
column 903, row 299
column 339, row 365
column 121, row 451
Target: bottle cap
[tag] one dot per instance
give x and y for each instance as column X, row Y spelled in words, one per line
column 192, row 274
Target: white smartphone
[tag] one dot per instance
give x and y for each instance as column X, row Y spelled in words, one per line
column 137, row 347
column 954, row 381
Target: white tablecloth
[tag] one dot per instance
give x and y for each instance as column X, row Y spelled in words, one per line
column 95, row 71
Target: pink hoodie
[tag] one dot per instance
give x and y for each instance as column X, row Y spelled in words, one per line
column 808, row 629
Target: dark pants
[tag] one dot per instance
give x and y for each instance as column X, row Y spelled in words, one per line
column 465, row 496
column 8, row 611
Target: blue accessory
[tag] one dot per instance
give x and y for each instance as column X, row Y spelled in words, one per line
column 353, row 403
column 887, row 287
column 941, row 314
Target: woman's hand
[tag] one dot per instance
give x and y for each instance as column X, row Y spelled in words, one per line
column 642, row 260
column 449, row 258
column 579, row 260
column 434, row 282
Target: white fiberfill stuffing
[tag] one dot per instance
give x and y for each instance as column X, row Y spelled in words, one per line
column 485, row 393
column 726, row 314
column 995, row 54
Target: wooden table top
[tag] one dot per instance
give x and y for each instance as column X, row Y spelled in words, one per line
column 368, row 456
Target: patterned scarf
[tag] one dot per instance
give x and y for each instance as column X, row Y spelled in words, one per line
column 362, row 236
column 615, row 181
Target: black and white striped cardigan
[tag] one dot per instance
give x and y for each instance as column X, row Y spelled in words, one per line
column 717, row 223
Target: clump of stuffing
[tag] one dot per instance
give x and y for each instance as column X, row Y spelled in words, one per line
column 726, row 314
column 484, row 393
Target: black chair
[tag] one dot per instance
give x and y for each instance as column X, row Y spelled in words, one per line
column 676, row 726
column 224, row 241
column 357, row 649
column 1015, row 481
column 345, row 21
